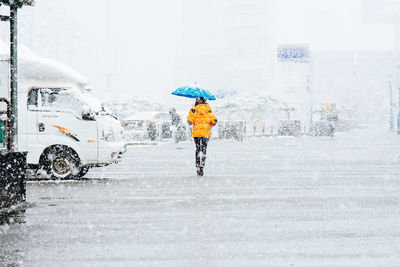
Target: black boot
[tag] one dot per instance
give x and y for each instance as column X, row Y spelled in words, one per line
column 199, row 171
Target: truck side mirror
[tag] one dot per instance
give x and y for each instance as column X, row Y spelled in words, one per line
column 88, row 116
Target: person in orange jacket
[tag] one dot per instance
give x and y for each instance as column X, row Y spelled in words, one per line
column 202, row 119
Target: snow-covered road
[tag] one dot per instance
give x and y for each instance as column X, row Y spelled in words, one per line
column 262, row 202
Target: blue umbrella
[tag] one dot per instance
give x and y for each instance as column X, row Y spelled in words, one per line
column 193, row 92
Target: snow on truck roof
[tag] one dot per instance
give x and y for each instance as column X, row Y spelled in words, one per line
column 33, row 67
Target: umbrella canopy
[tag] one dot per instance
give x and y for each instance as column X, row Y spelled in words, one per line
column 193, row 92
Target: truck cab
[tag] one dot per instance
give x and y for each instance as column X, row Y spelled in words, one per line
column 61, row 125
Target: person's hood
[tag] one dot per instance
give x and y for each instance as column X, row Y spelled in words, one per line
column 202, row 108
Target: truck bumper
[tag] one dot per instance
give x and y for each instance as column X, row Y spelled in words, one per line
column 109, row 153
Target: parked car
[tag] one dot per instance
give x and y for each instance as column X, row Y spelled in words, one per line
column 231, row 130
column 320, row 128
column 289, row 128
column 153, row 125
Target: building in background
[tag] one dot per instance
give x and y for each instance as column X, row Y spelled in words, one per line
column 226, row 44
column 387, row 94
column 247, row 42
column 222, row 45
column 355, row 80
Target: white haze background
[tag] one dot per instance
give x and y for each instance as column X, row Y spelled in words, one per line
column 129, row 48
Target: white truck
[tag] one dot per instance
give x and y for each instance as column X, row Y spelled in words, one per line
column 61, row 125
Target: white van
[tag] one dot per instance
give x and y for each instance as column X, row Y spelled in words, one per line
column 61, row 125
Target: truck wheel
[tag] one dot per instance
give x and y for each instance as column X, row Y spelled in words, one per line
column 61, row 163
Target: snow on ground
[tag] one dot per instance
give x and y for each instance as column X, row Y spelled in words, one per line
column 262, row 202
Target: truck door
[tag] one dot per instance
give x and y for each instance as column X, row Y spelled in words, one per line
column 31, row 124
column 62, row 119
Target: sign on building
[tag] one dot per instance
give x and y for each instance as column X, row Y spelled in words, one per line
column 294, row 53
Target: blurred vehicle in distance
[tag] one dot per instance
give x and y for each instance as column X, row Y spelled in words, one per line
column 152, row 125
column 231, row 130
column 346, row 120
column 289, row 128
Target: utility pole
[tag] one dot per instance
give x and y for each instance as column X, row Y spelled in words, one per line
column 391, row 118
column 12, row 162
column 310, row 95
column 398, row 114
column 14, row 78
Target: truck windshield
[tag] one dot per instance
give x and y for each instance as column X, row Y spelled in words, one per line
column 62, row 100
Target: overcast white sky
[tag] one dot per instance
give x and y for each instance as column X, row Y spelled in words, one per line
column 140, row 45
column 330, row 25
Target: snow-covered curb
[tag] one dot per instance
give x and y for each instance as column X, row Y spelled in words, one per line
column 142, row 143
column 13, row 208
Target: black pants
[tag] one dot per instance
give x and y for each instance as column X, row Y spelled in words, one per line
column 201, row 150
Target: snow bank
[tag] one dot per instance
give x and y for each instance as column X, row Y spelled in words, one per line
column 148, row 116
column 231, row 106
column 253, row 105
column 125, row 107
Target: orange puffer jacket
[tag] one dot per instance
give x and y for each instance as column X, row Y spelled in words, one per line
column 202, row 119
